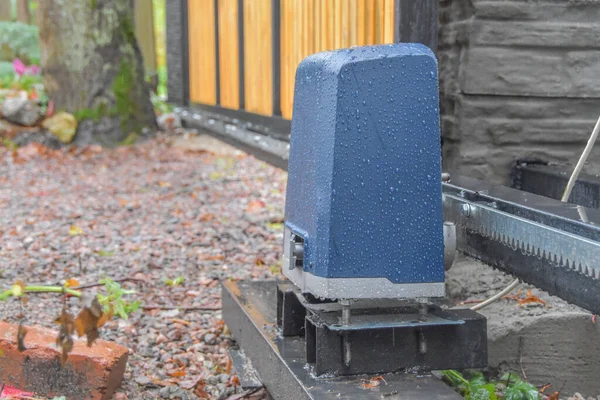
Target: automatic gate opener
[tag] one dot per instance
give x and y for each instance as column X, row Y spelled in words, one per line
column 370, row 230
column 364, row 230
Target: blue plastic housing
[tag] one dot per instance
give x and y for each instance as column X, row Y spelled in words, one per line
column 364, row 187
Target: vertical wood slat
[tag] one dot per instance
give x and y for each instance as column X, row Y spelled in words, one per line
column 202, row 52
column 258, row 57
column 388, row 22
column 310, row 26
column 306, row 27
column 229, row 84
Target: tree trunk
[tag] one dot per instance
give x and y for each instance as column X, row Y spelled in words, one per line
column 92, row 67
column 23, row 14
column 5, row 11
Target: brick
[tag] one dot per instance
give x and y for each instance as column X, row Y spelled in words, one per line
column 91, row 373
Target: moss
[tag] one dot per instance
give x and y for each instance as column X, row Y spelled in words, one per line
column 130, row 139
column 94, row 4
column 95, row 114
column 128, row 30
column 123, row 87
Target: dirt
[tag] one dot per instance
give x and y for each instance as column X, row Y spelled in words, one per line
column 153, row 212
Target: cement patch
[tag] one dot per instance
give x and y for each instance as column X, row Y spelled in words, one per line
column 556, row 343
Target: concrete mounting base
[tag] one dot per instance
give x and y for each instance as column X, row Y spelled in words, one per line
column 249, row 310
column 555, row 343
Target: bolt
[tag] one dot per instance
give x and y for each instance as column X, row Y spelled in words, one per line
column 445, row 177
column 466, row 210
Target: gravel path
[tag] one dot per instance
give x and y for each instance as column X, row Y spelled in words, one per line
column 152, row 212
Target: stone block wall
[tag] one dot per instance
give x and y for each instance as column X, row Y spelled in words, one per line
column 518, row 79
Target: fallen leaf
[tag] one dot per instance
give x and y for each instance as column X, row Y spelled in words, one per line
column 206, row 217
column 177, row 374
column 72, row 282
column 373, row 382
column 255, row 206
column 75, row 231
column 228, row 365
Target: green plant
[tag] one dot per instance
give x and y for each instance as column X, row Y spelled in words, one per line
column 18, row 40
column 95, row 312
column 509, row 387
column 175, row 282
column 160, row 104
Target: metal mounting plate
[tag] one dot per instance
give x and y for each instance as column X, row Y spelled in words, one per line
column 249, row 312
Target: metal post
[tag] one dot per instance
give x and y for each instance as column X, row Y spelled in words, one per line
column 276, row 55
column 242, row 87
column 417, row 22
column 217, row 50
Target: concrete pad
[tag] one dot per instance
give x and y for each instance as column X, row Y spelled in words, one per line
column 556, row 343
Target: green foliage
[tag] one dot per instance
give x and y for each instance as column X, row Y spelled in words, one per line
column 7, row 71
column 18, row 40
column 9, row 144
column 130, row 139
column 160, row 22
column 123, row 88
column 113, row 299
column 160, row 105
column 94, row 114
column 509, row 387
column 175, row 282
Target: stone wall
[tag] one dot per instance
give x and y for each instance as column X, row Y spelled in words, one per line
column 518, row 79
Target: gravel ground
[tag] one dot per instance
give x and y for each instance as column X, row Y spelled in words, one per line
column 151, row 212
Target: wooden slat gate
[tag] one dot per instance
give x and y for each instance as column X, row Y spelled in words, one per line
column 243, row 54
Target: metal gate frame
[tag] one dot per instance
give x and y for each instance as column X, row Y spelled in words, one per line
column 267, row 137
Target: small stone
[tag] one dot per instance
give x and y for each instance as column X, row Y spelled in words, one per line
column 143, row 380
column 120, row 396
column 63, row 125
column 210, row 338
column 161, row 339
column 12, row 105
column 165, row 392
column 168, row 121
column 21, row 111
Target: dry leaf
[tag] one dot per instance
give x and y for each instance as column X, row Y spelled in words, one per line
column 72, row 282
column 87, row 320
column 64, row 340
column 373, row 382
column 21, row 332
column 255, row 206
column 75, row 231
column 177, row 374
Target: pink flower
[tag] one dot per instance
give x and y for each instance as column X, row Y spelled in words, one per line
column 19, row 67
column 34, row 69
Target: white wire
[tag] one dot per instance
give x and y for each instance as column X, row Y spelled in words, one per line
column 581, row 162
column 564, row 199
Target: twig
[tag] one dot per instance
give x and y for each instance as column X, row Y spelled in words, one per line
column 184, row 308
column 91, row 285
column 521, row 357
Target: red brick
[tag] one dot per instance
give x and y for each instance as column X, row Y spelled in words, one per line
column 91, row 373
